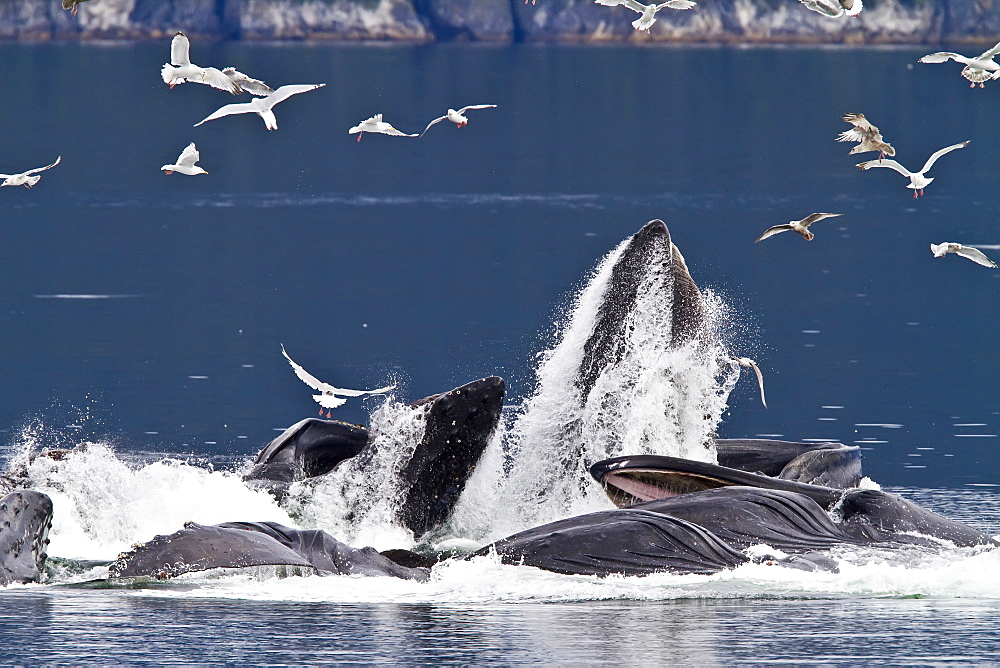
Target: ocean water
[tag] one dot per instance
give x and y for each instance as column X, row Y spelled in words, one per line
column 143, row 314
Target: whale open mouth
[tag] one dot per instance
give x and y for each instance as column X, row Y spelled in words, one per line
column 632, row 486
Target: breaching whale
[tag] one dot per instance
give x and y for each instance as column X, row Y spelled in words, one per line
column 458, row 425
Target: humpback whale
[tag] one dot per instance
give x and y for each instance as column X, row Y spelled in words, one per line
column 25, row 520
column 458, row 425
column 198, row 547
column 776, row 502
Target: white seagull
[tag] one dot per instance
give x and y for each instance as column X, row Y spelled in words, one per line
column 834, row 8
column 457, row 117
column 181, row 69
column 28, row 178
column 262, row 105
column 748, row 363
column 800, row 226
column 918, row 180
column 648, row 12
column 976, row 70
column 185, row 163
column 969, row 252
column 376, row 124
column 328, row 394
column 868, row 136
column 248, row 84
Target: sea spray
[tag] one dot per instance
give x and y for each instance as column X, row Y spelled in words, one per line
column 652, row 392
column 103, row 504
column 358, row 502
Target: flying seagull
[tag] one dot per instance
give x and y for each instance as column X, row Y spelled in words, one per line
column 834, row 8
column 28, row 178
column 457, row 117
column 248, row 84
column 262, row 105
column 648, row 12
column 328, row 394
column 72, row 5
column 748, row 363
column 800, row 226
column 918, row 180
column 969, row 252
column 376, row 124
column 181, row 69
column 976, row 70
column 185, row 163
column 868, row 136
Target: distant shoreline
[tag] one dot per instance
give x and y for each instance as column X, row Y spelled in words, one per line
column 711, row 22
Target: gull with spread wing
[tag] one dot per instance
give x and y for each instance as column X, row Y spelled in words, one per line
column 376, row 124
column 180, row 69
column 185, row 163
column 28, row 178
column 748, row 363
column 868, row 136
column 976, row 70
column 456, row 117
column 329, row 396
column 262, row 105
column 918, row 180
column 648, row 12
column 800, row 226
column 974, row 254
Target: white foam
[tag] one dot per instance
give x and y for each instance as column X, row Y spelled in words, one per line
column 102, row 505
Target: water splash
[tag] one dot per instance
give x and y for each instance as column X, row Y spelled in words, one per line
column 358, row 502
column 103, row 504
column 654, row 397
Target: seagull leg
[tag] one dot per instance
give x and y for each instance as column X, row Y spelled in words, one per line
column 981, row 85
column 359, row 135
column 321, row 412
column 972, row 85
column 915, row 193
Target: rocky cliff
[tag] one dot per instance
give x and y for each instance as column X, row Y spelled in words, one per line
column 881, row 22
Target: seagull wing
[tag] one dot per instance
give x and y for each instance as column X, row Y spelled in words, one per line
column 938, row 154
column 216, row 79
column 989, row 54
column 5, row 176
column 180, row 49
column 891, row 164
column 229, row 110
column 306, row 377
column 861, row 124
column 358, row 393
column 634, row 6
column 813, row 217
column 940, row 57
column 760, row 381
column 435, row 122
column 250, row 85
column 284, row 92
column 42, row 169
column 476, row 106
column 771, row 231
column 975, row 255
column 609, row 3
column 389, row 130
column 189, row 155
column 853, row 135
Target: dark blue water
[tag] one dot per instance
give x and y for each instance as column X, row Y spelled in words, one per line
column 437, row 260
column 431, row 262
